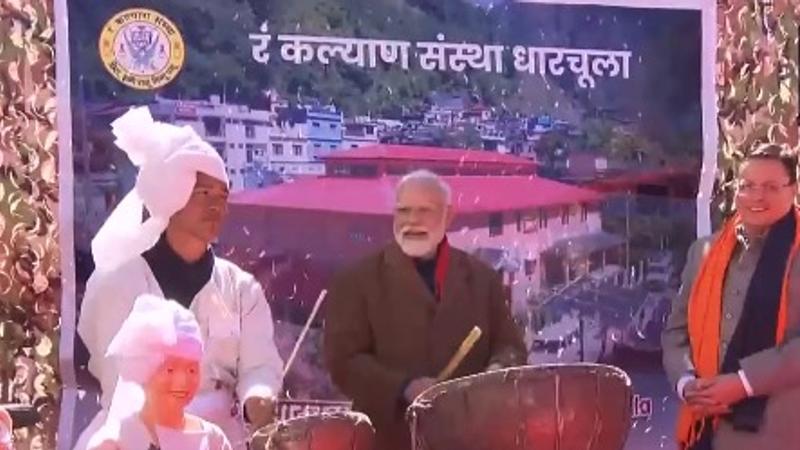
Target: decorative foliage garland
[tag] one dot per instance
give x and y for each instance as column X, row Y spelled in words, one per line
column 29, row 254
column 757, row 82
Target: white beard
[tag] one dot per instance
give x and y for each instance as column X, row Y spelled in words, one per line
column 415, row 249
column 418, row 248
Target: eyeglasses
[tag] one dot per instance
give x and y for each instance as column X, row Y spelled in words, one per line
column 745, row 187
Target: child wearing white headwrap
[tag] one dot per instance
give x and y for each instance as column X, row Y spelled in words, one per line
column 157, row 351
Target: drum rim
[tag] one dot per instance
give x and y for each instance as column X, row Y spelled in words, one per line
column 612, row 370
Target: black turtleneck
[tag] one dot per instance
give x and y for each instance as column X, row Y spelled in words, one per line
column 178, row 279
column 427, row 270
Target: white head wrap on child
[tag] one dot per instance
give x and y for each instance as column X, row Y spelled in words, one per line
column 155, row 329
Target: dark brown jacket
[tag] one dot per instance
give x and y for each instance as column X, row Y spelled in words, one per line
column 384, row 327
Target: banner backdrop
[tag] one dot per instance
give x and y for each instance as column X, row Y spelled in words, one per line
column 573, row 136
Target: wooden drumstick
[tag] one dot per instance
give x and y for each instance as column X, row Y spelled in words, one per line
column 300, row 339
column 459, row 356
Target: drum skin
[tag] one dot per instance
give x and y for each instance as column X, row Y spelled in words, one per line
column 547, row 407
column 334, row 431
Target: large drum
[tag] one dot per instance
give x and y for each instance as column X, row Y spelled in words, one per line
column 328, row 431
column 558, row 407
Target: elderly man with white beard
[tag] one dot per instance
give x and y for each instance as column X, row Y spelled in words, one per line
column 395, row 319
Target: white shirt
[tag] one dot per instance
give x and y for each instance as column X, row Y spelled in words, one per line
column 132, row 434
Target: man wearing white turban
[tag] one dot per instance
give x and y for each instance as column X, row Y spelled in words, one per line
column 182, row 186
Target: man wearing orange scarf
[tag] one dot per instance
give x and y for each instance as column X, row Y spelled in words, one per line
column 731, row 345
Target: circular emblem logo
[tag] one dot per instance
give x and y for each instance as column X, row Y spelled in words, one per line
column 142, row 48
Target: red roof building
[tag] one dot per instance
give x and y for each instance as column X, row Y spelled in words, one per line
column 680, row 182
column 384, row 159
column 375, row 196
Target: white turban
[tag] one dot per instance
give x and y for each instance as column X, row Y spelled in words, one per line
column 156, row 328
column 168, row 158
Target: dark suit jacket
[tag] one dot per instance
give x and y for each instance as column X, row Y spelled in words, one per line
column 384, row 327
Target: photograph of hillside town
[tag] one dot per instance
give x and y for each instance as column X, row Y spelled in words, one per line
column 582, row 195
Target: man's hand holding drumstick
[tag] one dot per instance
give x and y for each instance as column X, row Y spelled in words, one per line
column 419, row 385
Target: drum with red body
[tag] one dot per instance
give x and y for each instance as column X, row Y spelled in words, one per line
column 548, row 407
column 327, row 431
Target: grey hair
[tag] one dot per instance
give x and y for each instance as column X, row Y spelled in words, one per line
column 427, row 179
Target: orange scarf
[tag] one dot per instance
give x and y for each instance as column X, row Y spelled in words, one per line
column 705, row 313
